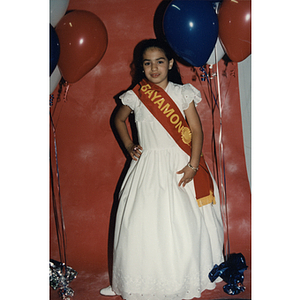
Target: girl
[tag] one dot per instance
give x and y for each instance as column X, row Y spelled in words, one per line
column 166, row 242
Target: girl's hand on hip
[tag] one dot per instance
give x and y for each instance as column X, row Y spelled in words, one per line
column 188, row 175
column 135, row 151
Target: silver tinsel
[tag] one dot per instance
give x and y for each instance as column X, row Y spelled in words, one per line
column 60, row 276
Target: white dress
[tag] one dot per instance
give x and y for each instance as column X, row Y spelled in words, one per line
column 165, row 245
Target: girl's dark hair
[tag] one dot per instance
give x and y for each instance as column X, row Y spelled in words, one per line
column 137, row 63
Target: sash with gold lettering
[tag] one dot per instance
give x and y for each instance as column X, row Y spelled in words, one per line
column 164, row 109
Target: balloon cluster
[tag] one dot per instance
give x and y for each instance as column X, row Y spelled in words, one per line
column 78, row 41
column 202, row 31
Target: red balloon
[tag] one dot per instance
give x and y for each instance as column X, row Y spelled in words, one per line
column 235, row 28
column 83, row 42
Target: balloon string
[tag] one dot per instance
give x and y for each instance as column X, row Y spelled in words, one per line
column 223, row 189
column 209, row 84
column 221, row 167
column 222, row 171
column 61, row 95
column 67, row 87
column 61, row 83
column 60, row 224
column 212, row 105
column 212, row 101
column 55, row 211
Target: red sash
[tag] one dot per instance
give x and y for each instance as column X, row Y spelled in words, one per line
column 164, row 109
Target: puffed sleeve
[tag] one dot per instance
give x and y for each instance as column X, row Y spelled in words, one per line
column 130, row 99
column 190, row 93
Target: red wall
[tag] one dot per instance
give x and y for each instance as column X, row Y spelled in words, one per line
column 89, row 157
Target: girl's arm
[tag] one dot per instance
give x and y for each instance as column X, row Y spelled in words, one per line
column 121, row 116
column 197, row 142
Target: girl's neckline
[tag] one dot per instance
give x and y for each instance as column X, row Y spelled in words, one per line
column 167, row 86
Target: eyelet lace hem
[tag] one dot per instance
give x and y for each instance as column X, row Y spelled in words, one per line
column 152, row 289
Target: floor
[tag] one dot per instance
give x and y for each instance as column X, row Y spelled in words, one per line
column 87, row 285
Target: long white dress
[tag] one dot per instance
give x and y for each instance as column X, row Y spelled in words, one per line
column 165, row 245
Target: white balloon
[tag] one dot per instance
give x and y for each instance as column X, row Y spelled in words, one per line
column 54, row 79
column 58, row 9
column 216, row 54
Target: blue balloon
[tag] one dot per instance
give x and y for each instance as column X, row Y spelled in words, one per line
column 54, row 49
column 191, row 28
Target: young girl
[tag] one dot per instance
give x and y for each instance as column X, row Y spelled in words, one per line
column 166, row 242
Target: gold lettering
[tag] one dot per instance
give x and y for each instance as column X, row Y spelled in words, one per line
column 176, row 119
column 167, row 111
column 180, row 126
column 160, row 102
column 145, row 87
column 155, row 96
column 150, row 92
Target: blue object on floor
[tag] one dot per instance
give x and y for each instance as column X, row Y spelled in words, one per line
column 232, row 272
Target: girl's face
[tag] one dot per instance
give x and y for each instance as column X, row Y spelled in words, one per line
column 156, row 66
